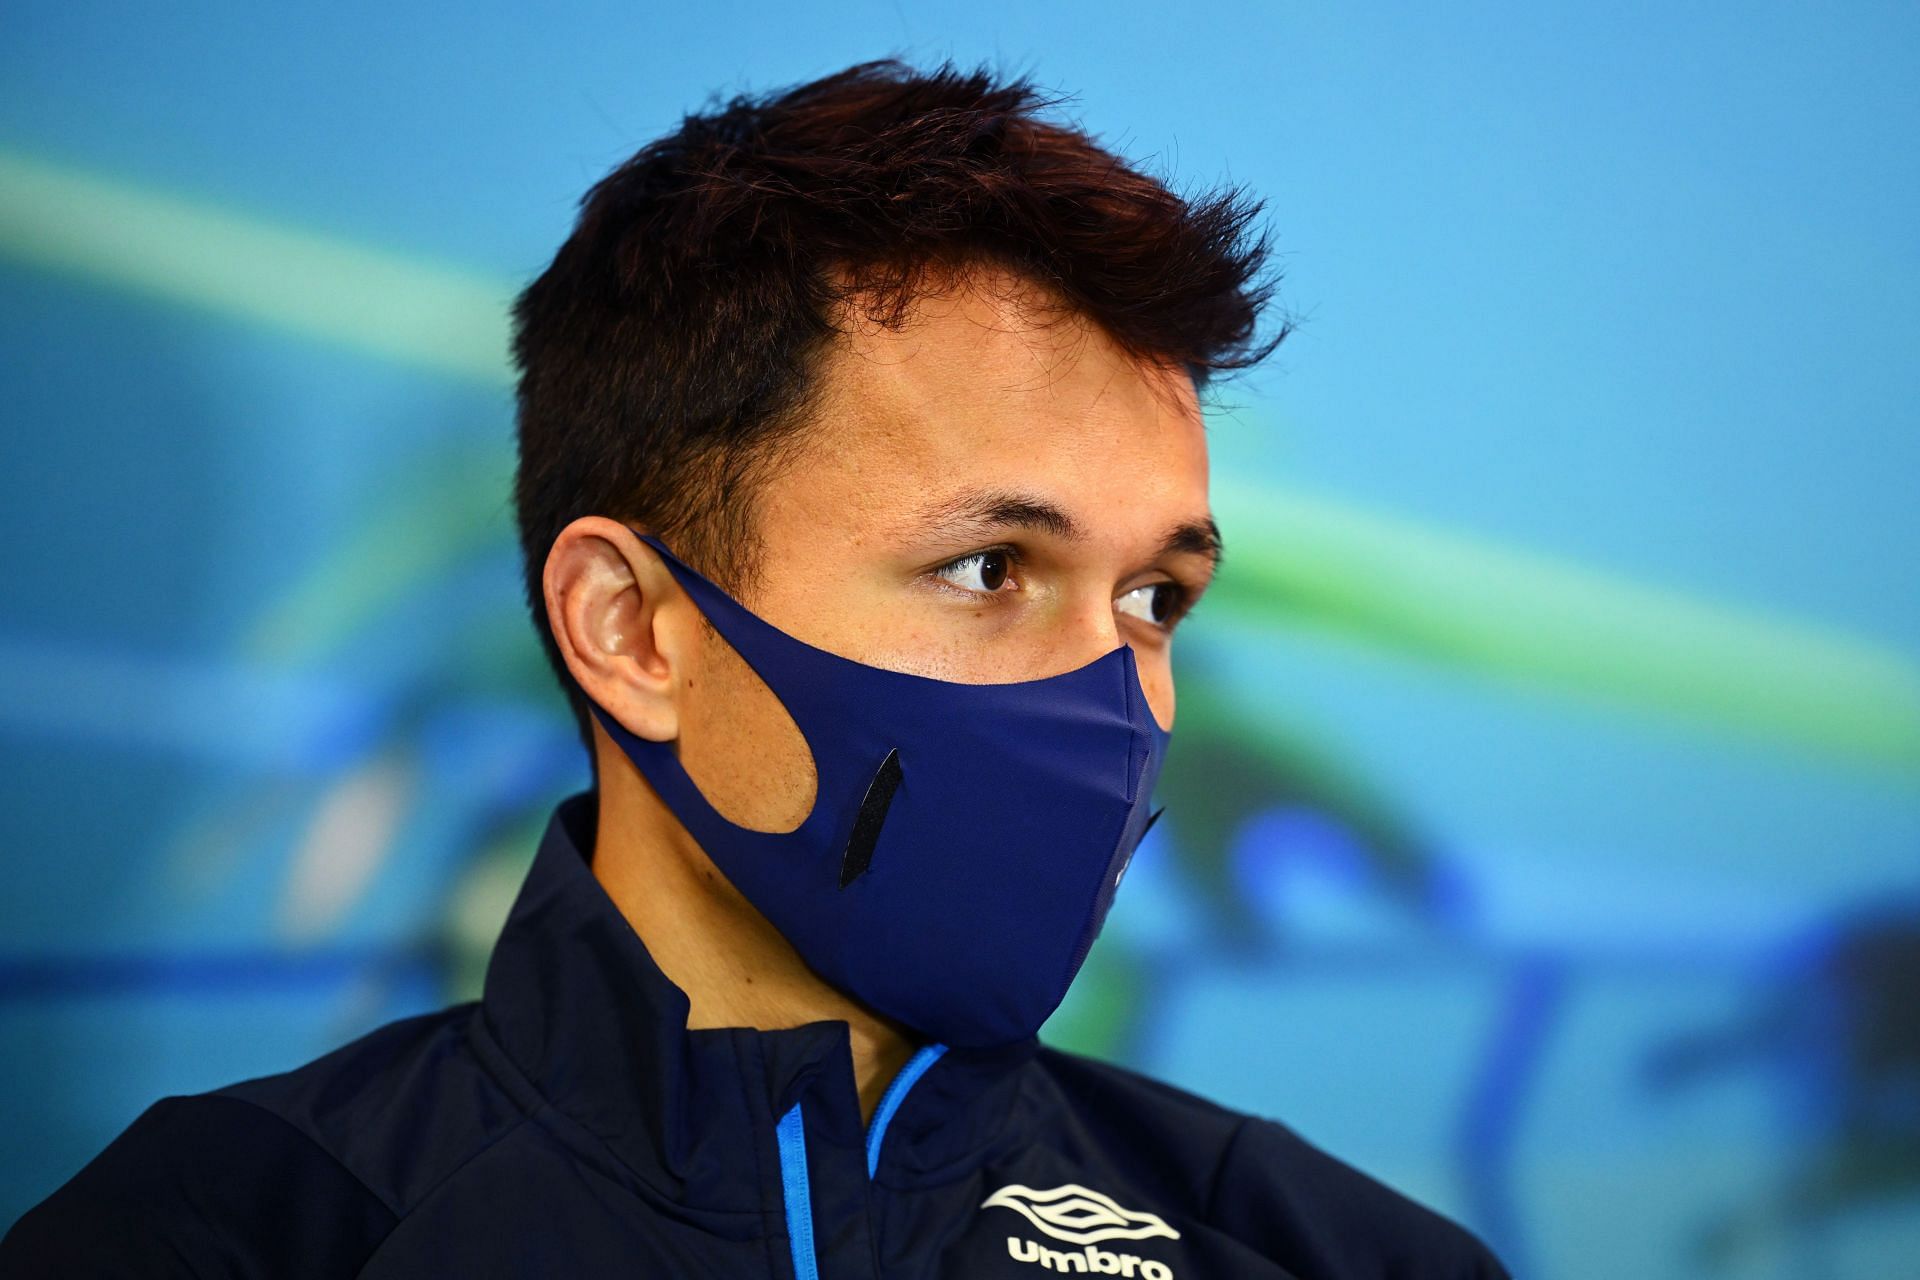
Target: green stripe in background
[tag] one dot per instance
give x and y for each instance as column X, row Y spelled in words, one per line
column 1541, row 623
column 1386, row 583
column 196, row 254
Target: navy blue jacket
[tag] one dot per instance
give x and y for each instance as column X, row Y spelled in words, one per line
column 567, row 1124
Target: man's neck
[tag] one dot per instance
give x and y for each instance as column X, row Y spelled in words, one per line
column 736, row 969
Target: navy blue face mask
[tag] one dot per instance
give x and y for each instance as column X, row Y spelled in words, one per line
column 965, row 840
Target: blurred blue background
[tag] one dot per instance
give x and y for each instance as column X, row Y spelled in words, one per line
column 1544, row 825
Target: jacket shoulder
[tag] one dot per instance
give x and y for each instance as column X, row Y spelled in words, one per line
column 1166, row 1128
column 1260, row 1182
column 301, row 1173
column 402, row 1108
column 202, row 1185
column 1277, row 1191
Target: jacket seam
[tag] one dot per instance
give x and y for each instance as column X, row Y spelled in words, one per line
column 339, row 1164
column 535, row 1107
column 519, row 1090
column 399, row 1215
column 554, row 1121
column 316, row 1144
column 437, row 1187
column 1220, row 1169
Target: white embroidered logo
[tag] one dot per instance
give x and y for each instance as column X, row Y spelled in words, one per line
column 1078, row 1215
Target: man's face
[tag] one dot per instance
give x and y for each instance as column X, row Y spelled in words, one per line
column 987, row 495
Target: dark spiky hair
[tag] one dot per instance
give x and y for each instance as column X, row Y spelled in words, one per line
column 672, row 344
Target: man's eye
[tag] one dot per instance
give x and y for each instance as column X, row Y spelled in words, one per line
column 1157, row 602
column 982, row 571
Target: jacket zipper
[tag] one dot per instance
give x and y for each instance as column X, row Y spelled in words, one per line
column 791, row 1134
column 896, row 1092
column 792, row 1137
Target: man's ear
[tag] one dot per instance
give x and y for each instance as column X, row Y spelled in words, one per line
column 627, row 630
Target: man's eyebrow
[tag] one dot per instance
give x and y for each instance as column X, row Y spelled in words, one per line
column 983, row 510
column 1196, row 537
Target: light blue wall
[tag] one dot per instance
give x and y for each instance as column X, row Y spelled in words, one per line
column 1609, row 303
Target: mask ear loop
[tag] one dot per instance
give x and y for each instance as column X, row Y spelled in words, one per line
column 734, row 622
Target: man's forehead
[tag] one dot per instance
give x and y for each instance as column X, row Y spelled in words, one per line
column 984, row 413
column 1004, row 342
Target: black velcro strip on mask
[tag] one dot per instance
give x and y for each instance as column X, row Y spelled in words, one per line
column 866, row 823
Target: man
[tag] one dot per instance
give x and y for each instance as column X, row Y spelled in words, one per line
column 862, row 485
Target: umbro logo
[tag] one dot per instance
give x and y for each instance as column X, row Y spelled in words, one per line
column 1081, row 1216
column 1078, row 1215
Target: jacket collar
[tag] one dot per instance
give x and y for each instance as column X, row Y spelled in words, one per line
column 575, row 1002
